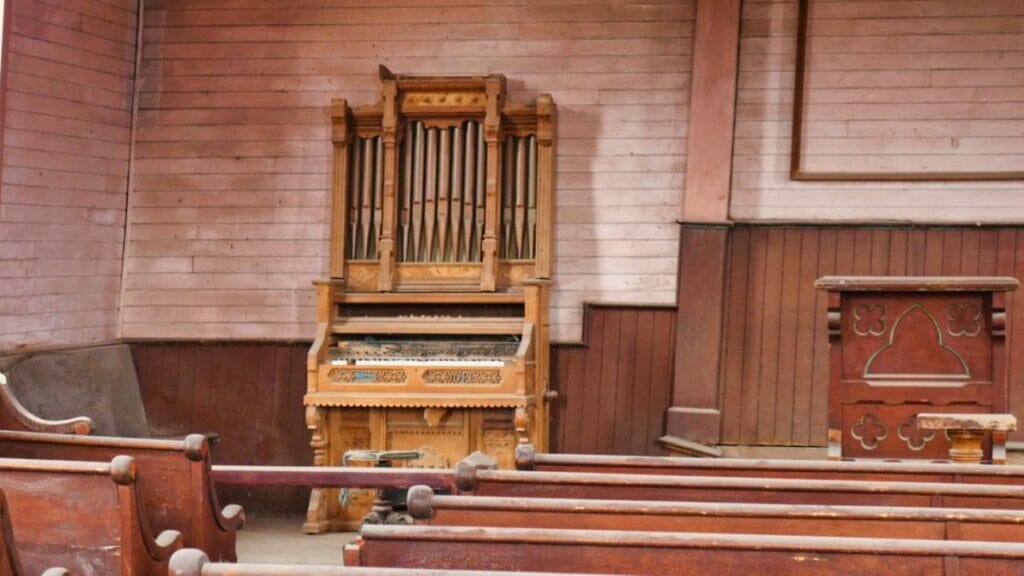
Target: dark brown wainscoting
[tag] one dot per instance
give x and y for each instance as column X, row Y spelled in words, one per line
column 249, row 393
column 774, row 387
column 614, row 388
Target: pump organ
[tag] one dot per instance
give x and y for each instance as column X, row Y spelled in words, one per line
column 432, row 330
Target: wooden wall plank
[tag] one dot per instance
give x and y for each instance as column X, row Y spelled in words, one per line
column 735, row 333
column 67, row 110
column 769, row 367
column 660, row 395
column 749, row 384
column 625, row 381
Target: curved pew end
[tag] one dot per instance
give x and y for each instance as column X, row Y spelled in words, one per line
column 142, row 549
column 187, row 562
column 175, row 481
column 87, row 516
column 14, row 416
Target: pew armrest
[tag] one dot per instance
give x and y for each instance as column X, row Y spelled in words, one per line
column 22, row 417
column 55, row 572
column 232, row 517
column 166, row 543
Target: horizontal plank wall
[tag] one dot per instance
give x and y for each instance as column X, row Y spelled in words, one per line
column 229, row 208
column 250, row 394
column 67, row 124
column 613, row 389
column 910, row 92
column 775, row 370
column 762, row 188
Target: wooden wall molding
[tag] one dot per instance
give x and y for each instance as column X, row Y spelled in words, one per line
column 797, row 169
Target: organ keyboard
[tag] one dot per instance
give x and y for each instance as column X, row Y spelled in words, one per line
column 432, row 331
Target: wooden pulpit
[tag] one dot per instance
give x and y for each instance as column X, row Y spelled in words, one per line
column 900, row 346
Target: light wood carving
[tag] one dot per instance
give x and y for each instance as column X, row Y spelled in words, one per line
column 433, row 330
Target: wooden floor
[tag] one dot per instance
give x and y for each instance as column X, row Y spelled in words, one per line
column 272, row 540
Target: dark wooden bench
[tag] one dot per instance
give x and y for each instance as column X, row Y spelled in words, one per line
column 10, row 563
column 792, row 519
column 528, row 459
column 14, row 416
column 192, row 562
column 666, row 553
column 174, row 481
column 476, row 474
column 85, row 516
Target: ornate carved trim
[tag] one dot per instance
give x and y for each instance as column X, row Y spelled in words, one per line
column 367, row 375
column 449, row 376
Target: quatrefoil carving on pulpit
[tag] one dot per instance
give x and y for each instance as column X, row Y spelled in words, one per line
column 869, row 320
column 915, row 438
column 964, row 319
column 870, row 431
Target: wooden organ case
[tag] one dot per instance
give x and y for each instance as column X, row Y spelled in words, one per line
column 432, row 331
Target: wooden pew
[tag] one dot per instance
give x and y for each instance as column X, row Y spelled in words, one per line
column 332, row 477
column 528, row 459
column 476, row 474
column 174, row 481
column 86, row 516
column 666, row 553
column 797, row 520
column 10, row 563
column 192, row 562
column 14, row 416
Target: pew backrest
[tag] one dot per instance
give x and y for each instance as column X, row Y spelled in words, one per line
column 85, row 516
column 10, row 563
column 174, row 482
column 193, row 562
column 477, row 477
column 918, row 471
column 432, row 509
column 661, row 553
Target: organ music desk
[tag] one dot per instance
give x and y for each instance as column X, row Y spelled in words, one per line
column 432, row 331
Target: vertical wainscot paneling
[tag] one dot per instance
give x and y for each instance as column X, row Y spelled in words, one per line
column 249, row 393
column 614, row 387
column 774, row 388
